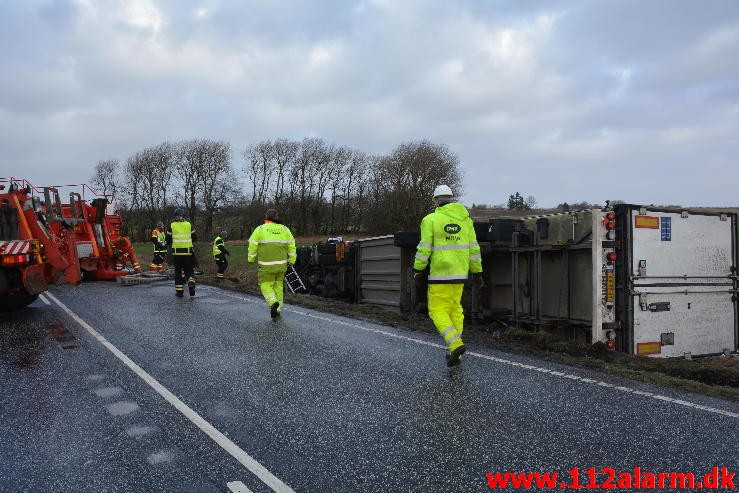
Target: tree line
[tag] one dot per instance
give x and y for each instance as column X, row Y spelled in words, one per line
column 318, row 187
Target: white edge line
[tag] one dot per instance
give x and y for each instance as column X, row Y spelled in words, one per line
column 234, row 450
column 513, row 363
column 238, row 487
column 43, row 298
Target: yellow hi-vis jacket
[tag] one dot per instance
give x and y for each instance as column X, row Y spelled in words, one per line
column 181, row 238
column 449, row 242
column 217, row 243
column 272, row 246
column 159, row 238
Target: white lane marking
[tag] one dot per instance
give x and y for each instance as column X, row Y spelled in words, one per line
column 108, row 391
column 226, row 444
column 122, row 408
column 238, row 487
column 509, row 362
column 43, row 298
column 159, row 457
column 140, row 430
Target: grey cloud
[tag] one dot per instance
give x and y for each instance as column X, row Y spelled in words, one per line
column 535, row 97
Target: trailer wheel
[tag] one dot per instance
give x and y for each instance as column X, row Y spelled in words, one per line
column 16, row 301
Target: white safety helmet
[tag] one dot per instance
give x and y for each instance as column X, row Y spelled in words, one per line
column 443, row 191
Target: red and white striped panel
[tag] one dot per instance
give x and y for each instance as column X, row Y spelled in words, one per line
column 15, row 247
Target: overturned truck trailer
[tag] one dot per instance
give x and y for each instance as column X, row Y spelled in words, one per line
column 643, row 280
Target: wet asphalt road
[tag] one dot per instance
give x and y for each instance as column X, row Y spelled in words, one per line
column 324, row 403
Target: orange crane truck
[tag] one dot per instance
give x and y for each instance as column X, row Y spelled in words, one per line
column 43, row 241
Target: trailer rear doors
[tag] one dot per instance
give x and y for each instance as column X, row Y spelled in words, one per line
column 678, row 281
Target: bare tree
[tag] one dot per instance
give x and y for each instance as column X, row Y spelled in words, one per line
column 106, row 176
column 285, row 153
column 150, row 173
column 258, row 170
column 339, row 166
column 188, row 169
column 320, row 171
column 303, row 181
column 406, row 180
column 218, row 179
column 317, row 186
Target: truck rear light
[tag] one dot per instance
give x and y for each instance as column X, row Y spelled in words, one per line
column 611, row 216
column 612, row 256
column 611, row 344
column 22, row 258
column 611, row 225
column 611, row 235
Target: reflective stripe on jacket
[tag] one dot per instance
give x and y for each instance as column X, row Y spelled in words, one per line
column 181, row 238
column 272, row 246
column 449, row 242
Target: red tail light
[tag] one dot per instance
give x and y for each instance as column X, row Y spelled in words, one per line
column 611, row 216
column 22, row 258
column 612, row 256
column 611, row 225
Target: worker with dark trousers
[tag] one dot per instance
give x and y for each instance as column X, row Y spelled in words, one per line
column 182, row 237
column 272, row 247
column 449, row 244
column 159, row 239
column 219, row 254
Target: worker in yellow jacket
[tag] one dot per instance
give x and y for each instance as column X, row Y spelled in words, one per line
column 272, row 246
column 181, row 237
column 449, row 244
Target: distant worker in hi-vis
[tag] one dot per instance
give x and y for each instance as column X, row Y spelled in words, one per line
column 449, row 244
column 159, row 239
column 272, row 247
column 219, row 254
column 182, row 237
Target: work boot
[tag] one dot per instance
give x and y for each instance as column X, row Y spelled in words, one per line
column 452, row 359
column 191, row 287
column 179, row 294
column 273, row 310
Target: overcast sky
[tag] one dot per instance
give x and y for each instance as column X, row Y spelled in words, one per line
column 566, row 101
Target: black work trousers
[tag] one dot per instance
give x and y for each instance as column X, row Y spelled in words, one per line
column 222, row 263
column 158, row 258
column 183, row 271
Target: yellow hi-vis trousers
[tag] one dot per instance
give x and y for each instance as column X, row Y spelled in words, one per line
column 272, row 287
column 445, row 309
